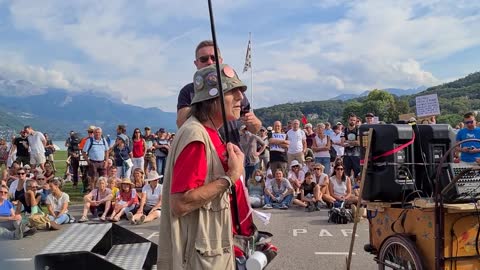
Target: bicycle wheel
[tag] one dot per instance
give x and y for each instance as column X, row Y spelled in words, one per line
column 399, row 252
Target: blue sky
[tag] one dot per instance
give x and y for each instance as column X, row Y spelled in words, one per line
column 143, row 51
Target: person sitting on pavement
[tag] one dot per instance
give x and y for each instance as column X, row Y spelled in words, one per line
column 112, row 185
column 341, row 186
column 57, row 203
column 310, row 196
column 11, row 226
column 126, row 200
column 256, row 189
column 138, row 181
column 323, row 182
column 30, row 199
column 279, row 193
column 17, row 187
column 151, row 201
column 98, row 201
column 296, row 176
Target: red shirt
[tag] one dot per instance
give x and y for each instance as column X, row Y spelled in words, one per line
column 191, row 173
column 138, row 148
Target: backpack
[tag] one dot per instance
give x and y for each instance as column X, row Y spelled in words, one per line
column 340, row 215
column 75, row 141
column 40, row 221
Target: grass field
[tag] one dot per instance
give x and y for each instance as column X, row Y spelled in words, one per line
column 76, row 196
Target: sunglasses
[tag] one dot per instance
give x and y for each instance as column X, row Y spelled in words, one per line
column 317, row 169
column 296, row 166
column 339, row 169
column 21, row 173
column 205, row 58
column 137, row 131
column 469, row 122
column 34, row 187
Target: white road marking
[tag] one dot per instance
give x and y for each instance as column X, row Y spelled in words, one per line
column 324, row 232
column 17, row 260
column 152, row 235
column 333, row 253
column 297, row 231
column 347, row 232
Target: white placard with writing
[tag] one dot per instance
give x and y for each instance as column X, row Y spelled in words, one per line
column 276, row 147
column 427, row 105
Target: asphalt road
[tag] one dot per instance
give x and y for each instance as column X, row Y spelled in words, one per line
column 305, row 241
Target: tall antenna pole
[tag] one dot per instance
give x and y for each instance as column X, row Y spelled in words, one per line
column 251, row 71
column 219, row 77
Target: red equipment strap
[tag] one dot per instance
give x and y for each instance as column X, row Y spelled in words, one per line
column 393, row 151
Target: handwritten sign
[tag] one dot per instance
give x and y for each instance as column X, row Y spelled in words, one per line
column 276, row 147
column 427, row 105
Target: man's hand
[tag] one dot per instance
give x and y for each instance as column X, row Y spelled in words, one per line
column 235, row 161
column 252, row 122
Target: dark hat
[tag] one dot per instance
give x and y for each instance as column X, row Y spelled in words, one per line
column 161, row 130
column 147, row 128
column 205, row 82
column 369, row 115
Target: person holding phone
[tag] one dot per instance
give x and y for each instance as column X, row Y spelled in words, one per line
column 469, row 151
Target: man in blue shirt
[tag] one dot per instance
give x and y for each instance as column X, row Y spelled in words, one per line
column 95, row 151
column 469, row 151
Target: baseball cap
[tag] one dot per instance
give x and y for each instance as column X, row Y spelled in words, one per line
column 369, row 115
column 147, row 128
column 161, row 130
column 205, row 82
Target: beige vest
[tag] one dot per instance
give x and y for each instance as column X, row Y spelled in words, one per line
column 203, row 238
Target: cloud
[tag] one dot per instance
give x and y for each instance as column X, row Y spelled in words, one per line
column 376, row 44
column 302, row 50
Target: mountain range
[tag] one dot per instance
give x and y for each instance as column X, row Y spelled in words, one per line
column 57, row 111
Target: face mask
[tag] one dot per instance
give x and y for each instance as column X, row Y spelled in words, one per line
column 258, row 178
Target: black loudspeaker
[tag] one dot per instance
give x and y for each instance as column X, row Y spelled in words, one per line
column 390, row 177
column 97, row 246
column 431, row 144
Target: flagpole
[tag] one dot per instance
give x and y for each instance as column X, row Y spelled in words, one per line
column 251, row 72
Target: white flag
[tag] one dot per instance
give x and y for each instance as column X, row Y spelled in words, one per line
column 248, row 58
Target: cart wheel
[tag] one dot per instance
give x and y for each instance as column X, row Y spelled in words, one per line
column 399, row 252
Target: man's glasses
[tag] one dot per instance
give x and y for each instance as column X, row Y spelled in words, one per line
column 21, row 173
column 339, row 169
column 34, row 187
column 205, row 58
column 469, row 122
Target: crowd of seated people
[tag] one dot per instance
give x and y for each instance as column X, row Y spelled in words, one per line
column 32, row 196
